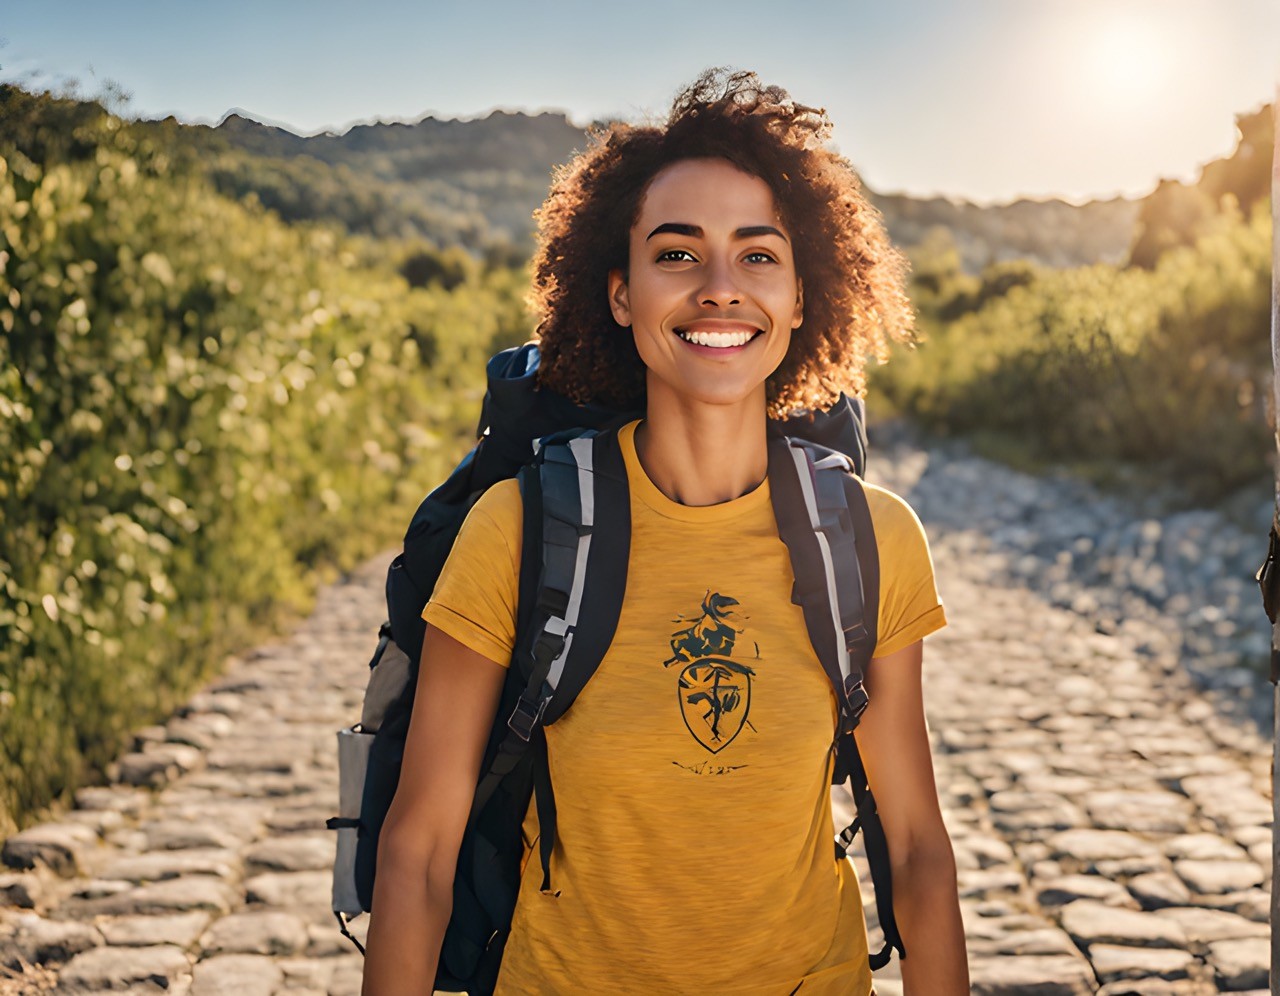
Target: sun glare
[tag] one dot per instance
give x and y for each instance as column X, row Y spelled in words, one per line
column 1127, row 61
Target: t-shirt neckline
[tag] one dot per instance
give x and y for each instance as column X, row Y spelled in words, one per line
column 652, row 496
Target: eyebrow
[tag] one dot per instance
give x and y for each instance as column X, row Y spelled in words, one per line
column 695, row 231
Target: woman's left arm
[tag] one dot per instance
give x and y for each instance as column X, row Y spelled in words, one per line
column 893, row 741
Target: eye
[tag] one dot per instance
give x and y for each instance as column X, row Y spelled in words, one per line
column 669, row 253
column 763, row 255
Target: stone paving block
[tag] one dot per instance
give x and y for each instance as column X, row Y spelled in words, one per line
column 175, row 895
column 122, row 799
column 63, row 848
column 38, row 940
column 1203, row 847
column 100, row 821
column 236, row 975
column 308, row 972
column 203, row 732
column 299, row 820
column 1068, row 786
column 291, row 853
column 180, row 929
column 295, row 890
column 1255, row 904
column 1087, row 847
column 1156, row 889
column 1143, row 812
column 346, row 980
column 1204, row 925
column 96, row 888
column 1158, row 987
column 1218, row 877
column 156, row 867
column 1044, row 940
column 178, row 835
column 22, row 889
column 1240, row 964
column 975, row 883
column 110, row 968
column 254, row 760
column 1119, row 868
column 159, row 763
column 1113, row 962
column 1068, row 888
column 261, row 933
column 1091, row 923
column 1053, row 975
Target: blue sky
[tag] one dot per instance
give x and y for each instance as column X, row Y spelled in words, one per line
column 983, row 99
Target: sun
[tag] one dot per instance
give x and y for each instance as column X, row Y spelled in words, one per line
column 1128, row 60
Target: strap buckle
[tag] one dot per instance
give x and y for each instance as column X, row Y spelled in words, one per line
column 546, row 648
column 844, row 839
column 857, row 701
column 526, row 716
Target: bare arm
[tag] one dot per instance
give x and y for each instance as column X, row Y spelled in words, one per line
column 894, row 743
column 454, row 706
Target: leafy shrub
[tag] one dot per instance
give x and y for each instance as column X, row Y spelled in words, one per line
column 1167, row 369
column 202, row 411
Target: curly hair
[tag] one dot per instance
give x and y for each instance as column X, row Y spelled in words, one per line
column 854, row 278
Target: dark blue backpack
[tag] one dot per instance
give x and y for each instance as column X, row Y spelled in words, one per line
column 573, row 486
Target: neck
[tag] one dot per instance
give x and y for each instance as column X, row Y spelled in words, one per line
column 699, row 454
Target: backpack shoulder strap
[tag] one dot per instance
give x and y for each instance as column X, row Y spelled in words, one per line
column 825, row 522
column 834, row 561
column 577, row 538
column 586, row 534
column 580, row 540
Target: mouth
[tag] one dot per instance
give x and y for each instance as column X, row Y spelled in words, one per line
column 718, row 340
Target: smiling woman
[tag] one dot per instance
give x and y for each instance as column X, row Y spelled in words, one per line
column 835, row 240
column 709, row 274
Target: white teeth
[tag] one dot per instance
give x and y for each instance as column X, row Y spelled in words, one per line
column 718, row 340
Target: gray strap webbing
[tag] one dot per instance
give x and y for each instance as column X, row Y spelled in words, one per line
column 822, row 485
column 568, row 503
column 568, row 540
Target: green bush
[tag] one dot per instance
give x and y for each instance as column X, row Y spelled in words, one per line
column 202, row 410
column 1167, row 370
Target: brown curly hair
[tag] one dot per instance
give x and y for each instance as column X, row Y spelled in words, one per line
column 854, row 278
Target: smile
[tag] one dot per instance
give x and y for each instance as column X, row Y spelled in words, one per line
column 718, row 340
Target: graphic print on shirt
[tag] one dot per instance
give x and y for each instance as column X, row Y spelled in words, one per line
column 714, row 691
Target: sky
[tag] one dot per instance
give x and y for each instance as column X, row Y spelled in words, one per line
column 985, row 100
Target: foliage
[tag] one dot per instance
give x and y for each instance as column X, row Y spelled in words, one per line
column 1177, row 214
column 202, row 409
column 1165, row 369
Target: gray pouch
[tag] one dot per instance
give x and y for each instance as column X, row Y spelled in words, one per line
column 353, row 761
column 387, row 679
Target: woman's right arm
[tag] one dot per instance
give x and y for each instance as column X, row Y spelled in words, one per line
column 455, row 702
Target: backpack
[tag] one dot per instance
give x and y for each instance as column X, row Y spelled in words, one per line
column 569, row 467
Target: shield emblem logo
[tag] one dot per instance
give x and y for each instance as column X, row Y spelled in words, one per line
column 715, row 697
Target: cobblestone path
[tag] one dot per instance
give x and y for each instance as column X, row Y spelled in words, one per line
column 1112, row 829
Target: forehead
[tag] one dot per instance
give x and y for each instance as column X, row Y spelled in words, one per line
column 708, row 192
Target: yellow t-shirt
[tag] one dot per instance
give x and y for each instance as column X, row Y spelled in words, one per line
column 692, row 774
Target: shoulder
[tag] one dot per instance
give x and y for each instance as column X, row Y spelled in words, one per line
column 501, row 503
column 495, row 521
column 892, row 516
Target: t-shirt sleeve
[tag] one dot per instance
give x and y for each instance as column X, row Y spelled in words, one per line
column 910, row 608
column 475, row 597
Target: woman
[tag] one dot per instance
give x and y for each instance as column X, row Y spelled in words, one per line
column 714, row 272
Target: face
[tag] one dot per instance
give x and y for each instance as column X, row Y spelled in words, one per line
column 713, row 293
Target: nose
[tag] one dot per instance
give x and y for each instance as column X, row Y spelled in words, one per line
column 719, row 288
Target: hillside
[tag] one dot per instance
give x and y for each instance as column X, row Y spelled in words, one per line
column 476, row 183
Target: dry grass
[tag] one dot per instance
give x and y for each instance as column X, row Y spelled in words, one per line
column 27, row 979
